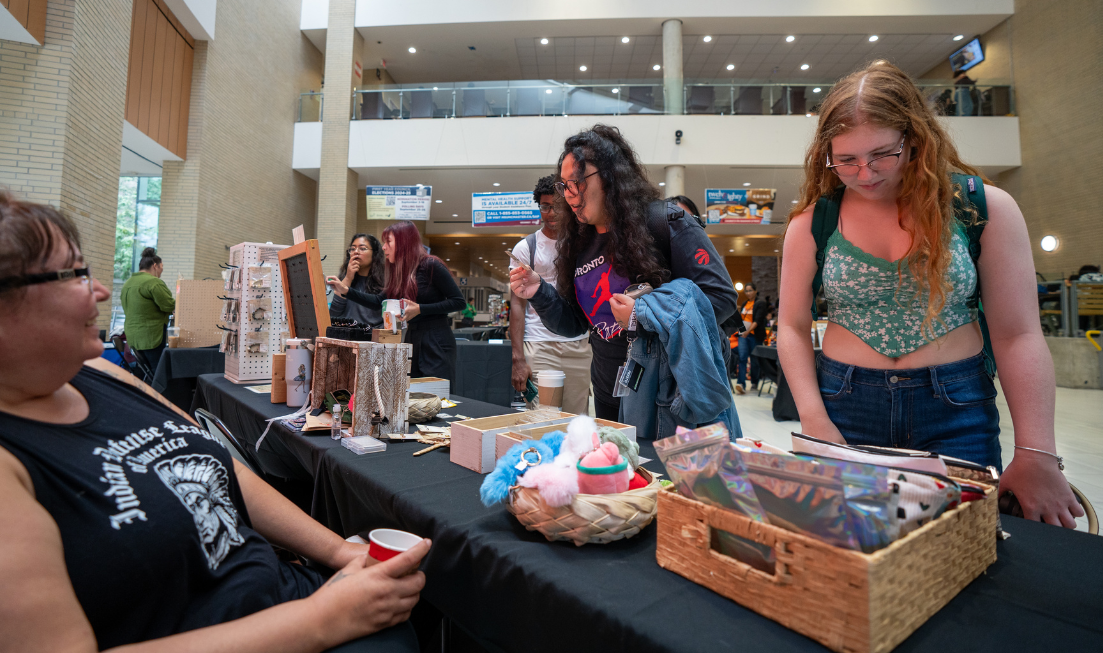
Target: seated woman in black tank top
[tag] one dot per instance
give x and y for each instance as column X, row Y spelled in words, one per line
column 124, row 522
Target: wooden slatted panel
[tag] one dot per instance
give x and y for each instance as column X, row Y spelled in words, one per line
column 159, row 79
column 145, row 90
column 134, row 71
column 36, row 20
column 1089, row 300
column 157, row 83
column 172, row 133
column 185, row 102
column 167, row 81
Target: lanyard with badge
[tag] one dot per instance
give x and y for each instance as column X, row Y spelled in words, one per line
column 630, row 373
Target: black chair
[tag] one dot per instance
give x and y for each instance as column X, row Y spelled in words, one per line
column 371, row 106
column 135, row 363
column 701, row 99
column 767, row 371
column 218, row 431
column 749, row 102
column 421, row 104
column 797, row 102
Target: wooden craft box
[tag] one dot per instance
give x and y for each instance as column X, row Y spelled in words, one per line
column 503, row 441
column 846, row 600
column 473, row 440
column 349, row 365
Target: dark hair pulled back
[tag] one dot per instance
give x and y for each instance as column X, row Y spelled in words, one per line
column 149, row 258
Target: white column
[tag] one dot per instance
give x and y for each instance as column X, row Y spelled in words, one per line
column 675, row 181
column 672, row 66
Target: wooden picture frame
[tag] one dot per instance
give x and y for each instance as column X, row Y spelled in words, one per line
column 304, row 290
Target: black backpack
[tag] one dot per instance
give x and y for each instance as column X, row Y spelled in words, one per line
column 825, row 220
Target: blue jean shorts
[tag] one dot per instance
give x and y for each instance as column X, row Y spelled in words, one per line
column 948, row 409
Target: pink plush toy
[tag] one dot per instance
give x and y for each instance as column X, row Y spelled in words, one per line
column 602, row 471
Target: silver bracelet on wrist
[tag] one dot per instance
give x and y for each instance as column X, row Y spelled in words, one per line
column 1060, row 460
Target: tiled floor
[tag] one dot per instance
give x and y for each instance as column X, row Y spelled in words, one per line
column 1079, row 428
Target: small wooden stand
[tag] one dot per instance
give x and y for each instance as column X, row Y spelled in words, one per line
column 304, row 290
column 371, row 371
column 279, row 383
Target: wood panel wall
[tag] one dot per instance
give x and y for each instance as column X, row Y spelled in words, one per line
column 158, row 88
column 31, row 14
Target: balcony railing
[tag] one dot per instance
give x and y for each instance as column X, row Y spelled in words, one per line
column 310, row 107
column 551, row 98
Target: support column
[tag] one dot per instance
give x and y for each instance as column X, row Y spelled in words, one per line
column 672, row 66
column 675, row 180
column 336, row 183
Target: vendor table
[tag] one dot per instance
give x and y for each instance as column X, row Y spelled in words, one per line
column 480, row 333
column 178, row 369
column 516, row 592
column 483, row 372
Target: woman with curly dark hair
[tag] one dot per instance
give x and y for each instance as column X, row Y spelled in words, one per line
column 606, row 247
column 362, row 270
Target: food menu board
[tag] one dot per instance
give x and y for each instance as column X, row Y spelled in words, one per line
column 739, row 206
column 503, row 209
column 399, row 202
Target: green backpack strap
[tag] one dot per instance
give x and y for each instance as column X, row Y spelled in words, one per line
column 825, row 220
column 972, row 193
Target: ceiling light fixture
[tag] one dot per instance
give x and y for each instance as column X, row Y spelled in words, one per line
column 873, row 37
column 807, row 115
column 548, row 91
column 959, row 37
column 582, row 68
column 440, row 201
column 1049, row 243
column 775, row 250
column 790, row 38
column 543, row 41
column 731, row 250
column 624, row 39
column 707, row 39
column 412, row 49
column 616, row 90
column 746, row 183
column 656, row 67
column 497, row 184
column 816, row 90
column 662, row 183
column 434, row 88
column 731, row 66
column 739, row 286
column 794, row 202
column 457, row 243
column 804, row 66
column 456, row 215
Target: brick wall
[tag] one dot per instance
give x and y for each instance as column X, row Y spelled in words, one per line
column 61, row 108
column 237, row 183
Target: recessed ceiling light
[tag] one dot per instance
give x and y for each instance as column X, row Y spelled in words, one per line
column 746, row 183
column 412, row 49
column 959, row 37
column 434, row 88
column 775, row 250
column 746, row 244
column 457, row 243
column 439, row 201
column 790, row 38
column 582, row 68
column 456, row 215
column 731, row 250
column 873, row 37
column 497, row 184
column 804, row 66
column 448, row 259
column 656, row 67
column 816, row 90
column 794, row 202
column 420, row 185
column 624, row 39
column 707, row 39
column 543, row 41
column 807, row 115
column 548, row 91
column 1049, row 243
column 503, row 243
column 731, row 66
column 662, row 183
column 480, row 258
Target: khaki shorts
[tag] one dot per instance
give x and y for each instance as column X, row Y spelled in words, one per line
column 573, row 359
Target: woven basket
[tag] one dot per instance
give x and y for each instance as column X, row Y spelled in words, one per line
column 423, row 406
column 590, row 518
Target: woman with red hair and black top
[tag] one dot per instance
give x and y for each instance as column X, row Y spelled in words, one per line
column 431, row 293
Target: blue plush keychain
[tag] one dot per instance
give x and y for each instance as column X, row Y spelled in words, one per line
column 495, row 488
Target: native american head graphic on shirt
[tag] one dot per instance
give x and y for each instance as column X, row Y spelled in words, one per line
column 203, row 486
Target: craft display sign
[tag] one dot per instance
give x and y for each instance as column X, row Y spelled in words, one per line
column 739, row 206
column 503, row 209
column 399, row 202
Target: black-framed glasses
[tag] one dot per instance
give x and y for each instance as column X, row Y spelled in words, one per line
column 876, row 164
column 546, row 208
column 84, row 274
column 562, row 187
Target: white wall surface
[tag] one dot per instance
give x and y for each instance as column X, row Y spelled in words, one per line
column 306, row 151
column 751, row 141
column 387, row 12
column 197, row 16
column 315, row 14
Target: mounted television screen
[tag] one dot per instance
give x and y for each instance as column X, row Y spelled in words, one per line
column 967, row 57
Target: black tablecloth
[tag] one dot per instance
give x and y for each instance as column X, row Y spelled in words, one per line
column 483, row 372
column 482, row 333
column 784, row 407
column 178, row 368
column 517, row 592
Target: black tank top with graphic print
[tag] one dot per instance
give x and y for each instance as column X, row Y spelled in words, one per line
column 156, row 535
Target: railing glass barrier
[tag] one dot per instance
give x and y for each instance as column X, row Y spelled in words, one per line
column 551, row 98
column 310, row 107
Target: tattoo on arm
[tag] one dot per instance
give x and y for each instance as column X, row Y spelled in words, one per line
column 336, row 577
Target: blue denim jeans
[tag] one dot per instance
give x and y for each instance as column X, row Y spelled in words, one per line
column 948, row 409
column 747, row 343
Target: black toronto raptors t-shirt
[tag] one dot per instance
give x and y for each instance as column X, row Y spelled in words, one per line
column 595, row 282
column 156, row 535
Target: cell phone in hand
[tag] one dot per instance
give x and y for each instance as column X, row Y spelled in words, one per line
column 637, row 290
column 519, row 262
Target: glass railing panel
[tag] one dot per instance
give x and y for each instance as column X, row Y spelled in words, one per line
column 310, row 107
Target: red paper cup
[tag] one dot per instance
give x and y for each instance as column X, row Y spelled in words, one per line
column 386, row 543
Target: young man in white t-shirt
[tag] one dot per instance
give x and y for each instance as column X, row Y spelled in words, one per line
column 534, row 346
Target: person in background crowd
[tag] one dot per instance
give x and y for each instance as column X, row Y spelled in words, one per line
column 363, row 271
column 468, row 314
column 125, row 523
column 688, row 206
column 899, row 279
column 965, row 94
column 431, row 293
column 147, row 303
column 534, row 346
column 606, row 247
column 754, row 319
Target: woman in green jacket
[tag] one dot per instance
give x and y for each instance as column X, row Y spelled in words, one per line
column 147, row 303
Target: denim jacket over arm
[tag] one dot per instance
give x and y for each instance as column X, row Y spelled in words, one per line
column 685, row 381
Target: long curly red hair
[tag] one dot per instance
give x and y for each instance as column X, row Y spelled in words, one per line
column 883, row 95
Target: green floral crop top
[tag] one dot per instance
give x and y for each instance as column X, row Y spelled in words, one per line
column 866, row 296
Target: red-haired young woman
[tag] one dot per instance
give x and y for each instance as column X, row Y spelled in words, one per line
column 431, row 293
column 902, row 362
